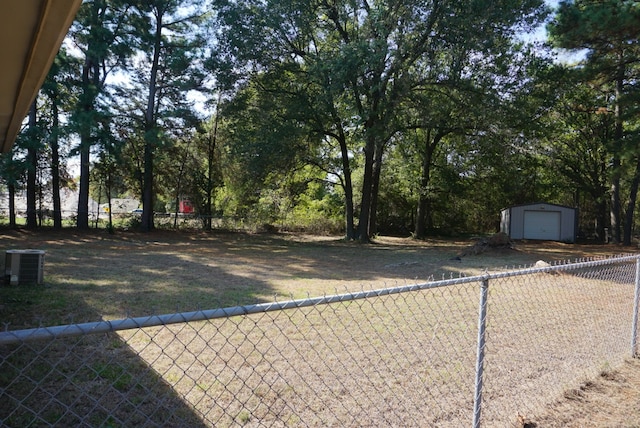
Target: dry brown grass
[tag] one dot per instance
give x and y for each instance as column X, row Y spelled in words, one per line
column 612, row 399
column 130, row 274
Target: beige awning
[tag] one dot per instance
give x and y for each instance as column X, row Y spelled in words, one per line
column 31, row 32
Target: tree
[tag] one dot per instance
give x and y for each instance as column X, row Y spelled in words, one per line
column 101, row 32
column 12, row 169
column 372, row 56
column 106, row 172
column 283, row 119
column 167, row 66
column 262, row 144
column 608, row 32
column 208, row 176
column 33, row 144
column 179, row 163
column 58, row 91
column 476, row 106
column 577, row 144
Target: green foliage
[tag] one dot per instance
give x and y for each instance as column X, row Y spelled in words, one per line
column 362, row 75
column 317, row 211
column 383, row 116
column 606, row 32
column 399, row 190
column 602, row 27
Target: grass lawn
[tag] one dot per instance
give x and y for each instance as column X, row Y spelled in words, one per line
column 93, row 276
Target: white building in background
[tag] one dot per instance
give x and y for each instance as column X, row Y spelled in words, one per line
column 120, row 206
column 69, row 204
column 540, row 221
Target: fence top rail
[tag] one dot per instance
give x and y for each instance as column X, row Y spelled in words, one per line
column 71, row 330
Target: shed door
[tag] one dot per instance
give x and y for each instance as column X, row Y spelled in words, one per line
column 542, row 225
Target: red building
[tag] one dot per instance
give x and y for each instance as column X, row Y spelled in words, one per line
column 186, row 207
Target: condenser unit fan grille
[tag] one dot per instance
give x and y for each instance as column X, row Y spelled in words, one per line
column 24, row 267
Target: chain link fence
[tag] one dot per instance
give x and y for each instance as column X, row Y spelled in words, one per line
column 477, row 351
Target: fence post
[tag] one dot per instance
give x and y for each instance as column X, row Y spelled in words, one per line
column 636, row 308
column 482, row 324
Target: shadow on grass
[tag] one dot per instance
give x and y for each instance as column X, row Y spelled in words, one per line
column 95, row 379
column 90, row 276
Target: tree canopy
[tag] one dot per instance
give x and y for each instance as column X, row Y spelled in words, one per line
column 607, row 32
column 366, row 116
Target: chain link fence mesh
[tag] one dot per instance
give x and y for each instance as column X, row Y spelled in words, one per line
column 403, row 357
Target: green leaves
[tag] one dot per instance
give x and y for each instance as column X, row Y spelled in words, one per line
column 608, row 31
column 596, row 25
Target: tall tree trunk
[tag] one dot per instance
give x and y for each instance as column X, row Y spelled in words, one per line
column 89, row 80
column 423, row 212
column 147, row 191
column 12, row 205
column 600, row 196
column 82, row 219
column 176, row 212
column 55, row 167
column 348, row 188
column 423, row 196
column 375, row 187
column 32, row 156
column 90, row 85
column 109, row 186
column 631, row 205
column 421, row 215
column 616, row 165
column 151, row 136
column 98, row 51
column 208, row 209
column 346, row 179
column 601, row 218
column 350, row 230
column 367, row 187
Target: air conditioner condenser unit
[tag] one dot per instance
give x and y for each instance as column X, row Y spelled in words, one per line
column 24, row 267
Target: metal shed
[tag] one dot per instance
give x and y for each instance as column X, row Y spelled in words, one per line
column 540, row 221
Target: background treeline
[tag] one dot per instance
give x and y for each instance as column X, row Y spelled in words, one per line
column 354, row 116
